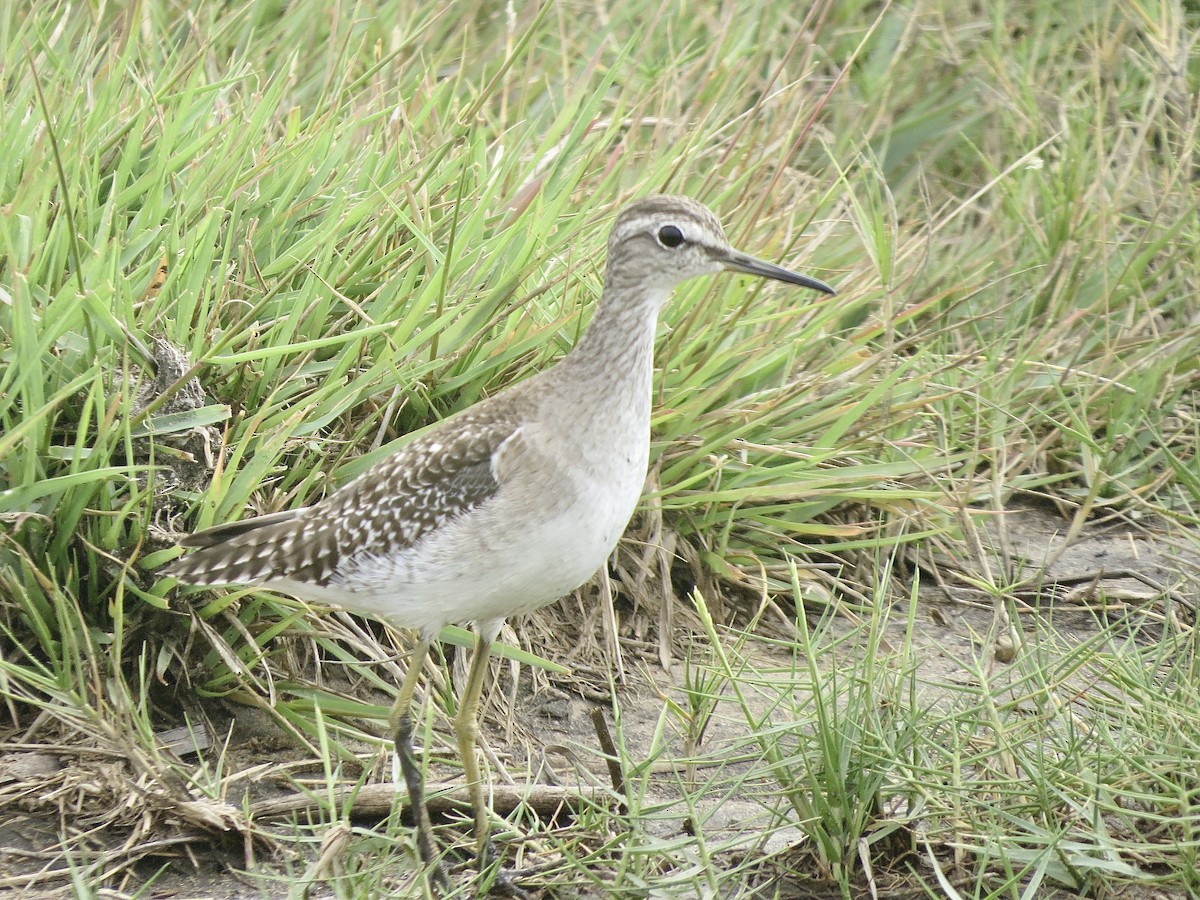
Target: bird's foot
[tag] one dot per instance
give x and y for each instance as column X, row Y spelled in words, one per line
column 439, row 881
column 501, row 884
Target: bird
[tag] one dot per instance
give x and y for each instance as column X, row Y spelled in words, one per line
column 502, row 508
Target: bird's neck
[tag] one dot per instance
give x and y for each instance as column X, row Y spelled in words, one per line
column 619, row 342
column 604, row 383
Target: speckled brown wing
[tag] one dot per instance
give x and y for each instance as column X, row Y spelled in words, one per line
column 390, row 507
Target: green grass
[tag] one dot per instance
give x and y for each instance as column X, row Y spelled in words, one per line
column 371, row 215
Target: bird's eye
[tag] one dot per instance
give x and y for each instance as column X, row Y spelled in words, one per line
column 670, row 236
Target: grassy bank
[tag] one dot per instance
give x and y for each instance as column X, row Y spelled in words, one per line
column 348, row 221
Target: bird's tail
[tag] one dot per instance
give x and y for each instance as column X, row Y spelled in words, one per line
column 247, row 552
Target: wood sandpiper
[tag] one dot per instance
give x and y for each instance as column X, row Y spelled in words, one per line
column 507, row 506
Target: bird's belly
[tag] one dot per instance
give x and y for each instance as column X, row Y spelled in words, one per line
column 472, row 570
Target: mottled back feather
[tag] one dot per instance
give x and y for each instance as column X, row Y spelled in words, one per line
column 387, row 509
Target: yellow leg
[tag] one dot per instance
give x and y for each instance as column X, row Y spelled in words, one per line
column 401, row 721
column 466, row 729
